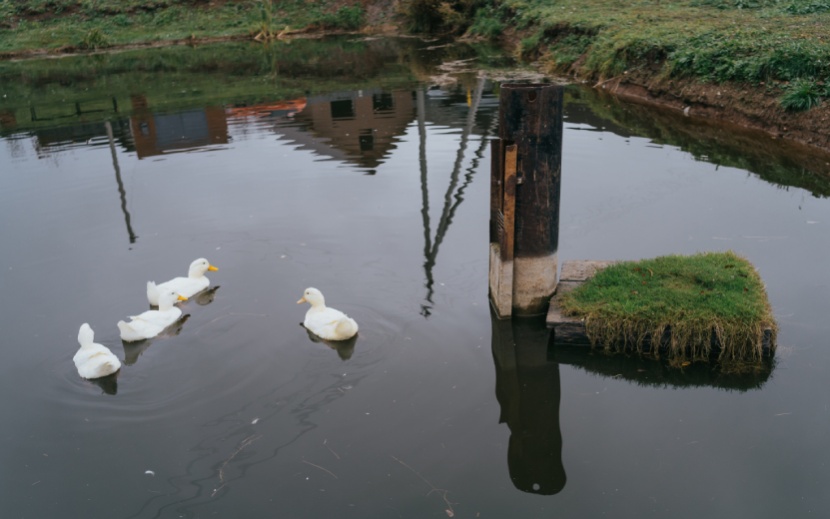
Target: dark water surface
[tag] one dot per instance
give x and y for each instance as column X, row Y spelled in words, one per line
column 346, row 167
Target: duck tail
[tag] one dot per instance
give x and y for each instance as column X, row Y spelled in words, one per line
column 113, row 365
column 152, row 293
column 346, row 328
column 128, row 333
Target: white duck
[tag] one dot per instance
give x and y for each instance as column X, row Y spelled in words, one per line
column 195, row 282
column 94, row 360
column 326, row 323
column 150, row 323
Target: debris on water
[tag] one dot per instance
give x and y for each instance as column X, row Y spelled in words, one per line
column 149, row 472
column 254, row 421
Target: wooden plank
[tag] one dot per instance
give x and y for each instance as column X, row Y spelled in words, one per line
column 496, row 191
column 509, row 201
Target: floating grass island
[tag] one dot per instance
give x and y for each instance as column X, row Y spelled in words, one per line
column 707, row 306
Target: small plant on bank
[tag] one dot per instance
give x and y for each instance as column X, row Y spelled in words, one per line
column 346, row 18
column 801, row 95
column 529, row 47
column 487, row 23
column 8, row 13
column 439, row 16
column 697, row 301
column 566, row 50
column 94, row 39
column 266, row 21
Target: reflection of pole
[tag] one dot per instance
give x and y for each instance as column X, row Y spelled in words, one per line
column 121, row 190
column 528, row 391
column 422, row 161
column 430, row 248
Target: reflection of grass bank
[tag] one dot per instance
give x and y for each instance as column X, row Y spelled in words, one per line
column 691, row 302
column 774, row 160
column 662, row 373
column 178, row 77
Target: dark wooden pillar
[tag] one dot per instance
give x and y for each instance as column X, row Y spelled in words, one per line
column 524, row 203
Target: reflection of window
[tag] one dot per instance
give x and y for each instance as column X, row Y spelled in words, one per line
column 367, row 140
column 342, row 109
column 383, row 103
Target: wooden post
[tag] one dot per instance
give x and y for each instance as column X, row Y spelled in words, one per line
column 524, row 199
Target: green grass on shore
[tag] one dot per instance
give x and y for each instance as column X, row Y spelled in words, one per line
column 780, row 45
column 99, row 24
column 694, row 297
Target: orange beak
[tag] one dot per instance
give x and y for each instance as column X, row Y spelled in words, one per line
column 212, row 268
column 182, row 298
column 302, row 300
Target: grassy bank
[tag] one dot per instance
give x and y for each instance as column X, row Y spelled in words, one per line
column 70, row 25
column 780, row 45
column 762, row 64
column 691, row 299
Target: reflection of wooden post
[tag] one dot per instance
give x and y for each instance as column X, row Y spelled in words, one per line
column 524, row 201
column 528, row 391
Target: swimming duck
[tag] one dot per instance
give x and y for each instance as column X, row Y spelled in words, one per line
column 150, row 323
column 326, row 323
column 195, row 282
column 94, row 360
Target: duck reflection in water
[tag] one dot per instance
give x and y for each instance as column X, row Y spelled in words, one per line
column 344, row 349
column 205, row 297
column 528, row 391
column 108, row 384
column 133, row 350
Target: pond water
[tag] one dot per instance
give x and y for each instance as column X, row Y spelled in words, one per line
column 361, row 168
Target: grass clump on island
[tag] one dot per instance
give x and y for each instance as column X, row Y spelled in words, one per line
column 688, row 303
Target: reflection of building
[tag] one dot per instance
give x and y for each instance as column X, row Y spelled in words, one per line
column 8, row 120
column 275, row 109
column 359, row 127
column 158, row 133
column 527, row 388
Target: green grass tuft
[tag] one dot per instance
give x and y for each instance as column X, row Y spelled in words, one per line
column 801, row 95
column 487, row 23
column 695, row 298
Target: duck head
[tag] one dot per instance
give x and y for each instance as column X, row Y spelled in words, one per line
column 313, row 297
column 168, row 298
column 85, row 335
column 199, row 267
